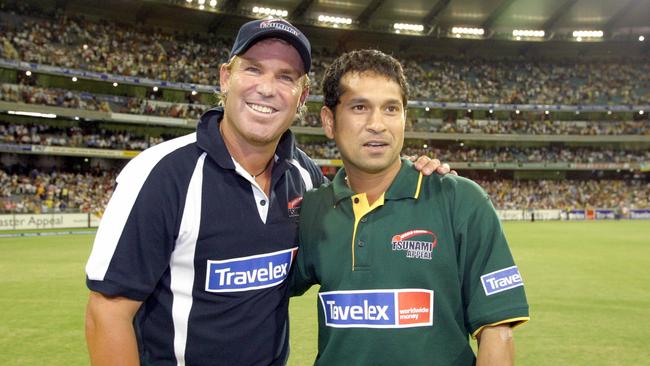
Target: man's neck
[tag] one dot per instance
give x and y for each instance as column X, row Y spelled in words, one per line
column 372, row 184
column 253, row 158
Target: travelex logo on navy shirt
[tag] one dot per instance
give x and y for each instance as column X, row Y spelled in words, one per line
column 249, row 273
column 395, row 308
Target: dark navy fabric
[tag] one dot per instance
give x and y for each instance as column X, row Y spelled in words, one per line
column 225, row 328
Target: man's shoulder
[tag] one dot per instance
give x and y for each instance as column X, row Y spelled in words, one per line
column 453, row 184
column 320, row 194
column 167, row 157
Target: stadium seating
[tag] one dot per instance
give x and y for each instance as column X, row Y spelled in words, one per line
column 80, row 44
column 193, row 58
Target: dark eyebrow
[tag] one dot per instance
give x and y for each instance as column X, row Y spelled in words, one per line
column 357, row 100
column 394, row 101
column 365, row 100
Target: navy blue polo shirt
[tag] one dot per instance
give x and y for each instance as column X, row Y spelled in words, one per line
column 190, row 234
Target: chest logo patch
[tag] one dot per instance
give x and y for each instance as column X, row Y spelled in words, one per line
column 501, row 280
column 294, row 206
column 416, row 243
column 395, row 308
column 249, row 273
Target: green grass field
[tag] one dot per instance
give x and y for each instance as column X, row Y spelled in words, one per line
column 588, row 285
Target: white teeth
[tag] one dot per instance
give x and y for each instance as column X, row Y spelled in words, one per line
column 261, row 108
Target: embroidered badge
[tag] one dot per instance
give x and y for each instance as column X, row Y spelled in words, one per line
column 294, row 206
column 501, row 280
column 416, row 243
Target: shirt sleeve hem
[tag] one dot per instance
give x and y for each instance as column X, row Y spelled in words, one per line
column 515, row 316
column 514, row 322
column 114, row 289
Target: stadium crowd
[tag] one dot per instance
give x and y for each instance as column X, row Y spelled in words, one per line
column 74, row 42
column 51, row 97
column 532, row 127
column 94, row 136
column 141, row 106
column 34, row 134
column 510, row 154
column 568, row 194
column 40, row 192
column 122, row 49
column 104, row 103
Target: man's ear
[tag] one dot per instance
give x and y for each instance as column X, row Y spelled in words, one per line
column 327, row 118
column 304, row 95
column 224, row 78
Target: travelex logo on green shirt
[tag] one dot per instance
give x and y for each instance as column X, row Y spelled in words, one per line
column 392, row 308
column 501, row 280
column 416, row 243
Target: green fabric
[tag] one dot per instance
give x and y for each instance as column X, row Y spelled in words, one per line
column 470, row 243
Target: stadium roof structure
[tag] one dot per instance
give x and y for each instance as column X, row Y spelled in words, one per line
column 558, row 18
column 411, row 25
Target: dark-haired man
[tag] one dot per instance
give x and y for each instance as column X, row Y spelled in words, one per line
column 409, row 266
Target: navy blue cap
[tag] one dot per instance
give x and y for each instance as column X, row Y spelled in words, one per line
column 257, row 30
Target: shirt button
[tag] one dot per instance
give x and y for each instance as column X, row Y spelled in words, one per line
column 262, row 202
column 356, row 199
column 364, row 219
column 361, row 243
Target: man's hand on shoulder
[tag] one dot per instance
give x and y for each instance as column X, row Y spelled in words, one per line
column 428, row 166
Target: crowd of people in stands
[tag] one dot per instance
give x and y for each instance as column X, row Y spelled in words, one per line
column 160, row 108
column 51, row 97
column 509, row 154
column 40, row 192
column 97, row 137
column 121, row 49
column 568, row 194
column 140, row 106
column 75, row 136
column 103, row 103
column 74, row 42
column 532, row 127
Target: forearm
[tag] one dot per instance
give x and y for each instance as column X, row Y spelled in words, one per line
column 496, row 346
column 110, row 335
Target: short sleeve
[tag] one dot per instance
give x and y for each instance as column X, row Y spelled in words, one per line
column 135, row 239
column 492, row 286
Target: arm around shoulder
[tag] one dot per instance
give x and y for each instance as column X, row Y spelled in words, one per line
column 109, row 330
column 496, row 346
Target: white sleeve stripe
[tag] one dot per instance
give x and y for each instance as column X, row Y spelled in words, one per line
column 306, row 177
column 130, row 181
column 182, row 261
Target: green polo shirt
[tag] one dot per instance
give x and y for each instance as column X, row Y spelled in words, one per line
column 406, row 280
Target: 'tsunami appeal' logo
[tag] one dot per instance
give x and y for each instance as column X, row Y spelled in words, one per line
column 501, row 280
column 421, row 247
column 395, row 308
column 249, row 273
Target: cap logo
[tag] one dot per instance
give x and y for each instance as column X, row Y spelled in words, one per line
column 280, row 24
